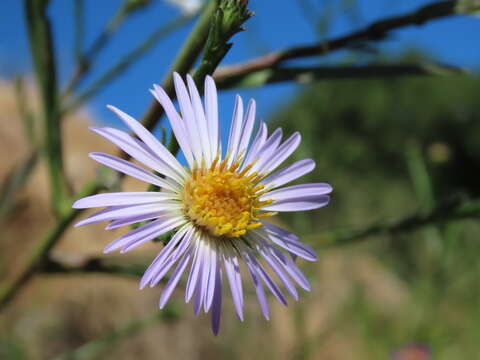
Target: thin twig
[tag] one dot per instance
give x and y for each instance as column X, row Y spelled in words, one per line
column 123, row 64
column 446, row 212
column 374, row 32
column 93, row 265
column 310, row 74
column 24, row 112
column 13, row 182
column 84, row 61
column 79, row 21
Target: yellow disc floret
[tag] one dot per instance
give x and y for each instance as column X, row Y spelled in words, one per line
column 224, row 201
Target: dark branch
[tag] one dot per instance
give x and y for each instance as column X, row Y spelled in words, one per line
column 92, row 265
column 374, row 32
column 309, row 74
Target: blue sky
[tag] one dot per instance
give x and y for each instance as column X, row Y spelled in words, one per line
column 276, row 25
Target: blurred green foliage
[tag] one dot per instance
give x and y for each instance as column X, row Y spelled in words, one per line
column 358, row 132
column 390, row 147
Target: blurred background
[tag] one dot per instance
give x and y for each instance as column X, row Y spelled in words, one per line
column 392, row 120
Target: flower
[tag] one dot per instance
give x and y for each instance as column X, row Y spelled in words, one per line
column 217, row 207
column 413, row 352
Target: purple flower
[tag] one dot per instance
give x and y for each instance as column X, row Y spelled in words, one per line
column 217, row 207
column 413, row 352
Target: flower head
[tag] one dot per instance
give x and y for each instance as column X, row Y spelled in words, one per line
column 217, row 207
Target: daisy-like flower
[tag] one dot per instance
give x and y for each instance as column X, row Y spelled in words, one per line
column 217, row 207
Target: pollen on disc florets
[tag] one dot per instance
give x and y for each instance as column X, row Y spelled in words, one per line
column 223, row 201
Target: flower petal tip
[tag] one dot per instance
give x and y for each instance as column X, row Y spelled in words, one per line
column 95, row 129
column 76, row 205
column 107, row 250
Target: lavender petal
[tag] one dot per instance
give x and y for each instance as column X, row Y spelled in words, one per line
column 174, row 279
column 289, row 173
column 156, row 146
column 122, row 198
column 130, row 169
column 211, row 112
column 217, row 302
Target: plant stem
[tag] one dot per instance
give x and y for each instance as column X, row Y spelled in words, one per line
column 227, row 20
column 446, row 212
column 84, row 61
column 79, row 22
column 93, row 265
column 41, row 47
column 15, row 179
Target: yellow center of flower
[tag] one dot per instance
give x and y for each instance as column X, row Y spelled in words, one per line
column 224, row 201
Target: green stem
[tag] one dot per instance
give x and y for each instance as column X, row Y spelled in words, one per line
column 79, row 20
column 41, row 47
column 84, row 61
column 421, row 181
column 443, row 213
column 227, row 20
column 183, row 62
column 25, row 113
column 14, row 181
